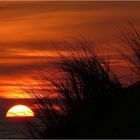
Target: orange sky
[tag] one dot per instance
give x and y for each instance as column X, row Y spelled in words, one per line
column 27, row 27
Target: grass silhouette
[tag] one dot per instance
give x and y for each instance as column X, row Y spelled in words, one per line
column 130, row 38
column 93, row 101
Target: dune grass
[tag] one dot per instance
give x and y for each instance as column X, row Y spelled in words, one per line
column 93, row 102
column 130, row 38
column 87, row 88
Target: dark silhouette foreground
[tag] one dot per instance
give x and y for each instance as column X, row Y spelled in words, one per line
column 93, row 101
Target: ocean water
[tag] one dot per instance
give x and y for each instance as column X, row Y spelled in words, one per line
column 13, row 128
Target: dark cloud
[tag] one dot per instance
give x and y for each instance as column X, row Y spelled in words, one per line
column 31, row 44
column 17, row 9
column 13, row 69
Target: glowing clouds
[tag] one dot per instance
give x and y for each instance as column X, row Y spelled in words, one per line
column 20, row 111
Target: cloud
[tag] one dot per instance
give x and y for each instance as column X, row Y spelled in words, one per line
column 26, row 29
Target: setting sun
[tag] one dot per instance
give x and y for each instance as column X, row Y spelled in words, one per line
column 20, row 111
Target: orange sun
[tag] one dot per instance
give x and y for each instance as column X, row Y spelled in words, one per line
column 20, row 111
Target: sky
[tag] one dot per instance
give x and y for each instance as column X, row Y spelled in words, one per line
column 27, row 28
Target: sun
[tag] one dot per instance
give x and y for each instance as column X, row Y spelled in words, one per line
column 20, row 111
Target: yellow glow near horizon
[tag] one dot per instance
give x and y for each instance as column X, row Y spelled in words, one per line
column 20, row 111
